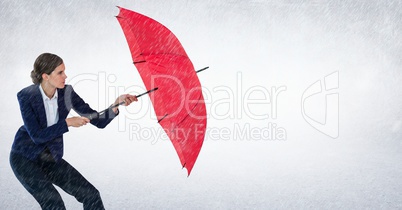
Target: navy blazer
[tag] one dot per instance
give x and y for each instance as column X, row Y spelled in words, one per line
column 34, row 136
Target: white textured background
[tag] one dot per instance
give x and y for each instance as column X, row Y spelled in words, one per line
column 259, row 43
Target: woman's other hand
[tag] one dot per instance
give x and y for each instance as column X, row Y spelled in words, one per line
column 77, row 121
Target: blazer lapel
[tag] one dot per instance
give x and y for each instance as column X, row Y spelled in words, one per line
column 63, row 112
column 37, row 102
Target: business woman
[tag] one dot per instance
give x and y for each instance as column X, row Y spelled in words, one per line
column 37, row 152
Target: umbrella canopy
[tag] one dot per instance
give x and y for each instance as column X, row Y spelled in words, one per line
column 163, row 63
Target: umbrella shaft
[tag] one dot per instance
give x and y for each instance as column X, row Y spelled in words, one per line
column 121, row 103
column 152, row 90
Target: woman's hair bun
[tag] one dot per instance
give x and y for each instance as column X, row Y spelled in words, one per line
column 44, row 64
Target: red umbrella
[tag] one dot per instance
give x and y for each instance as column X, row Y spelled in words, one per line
column 163, row 63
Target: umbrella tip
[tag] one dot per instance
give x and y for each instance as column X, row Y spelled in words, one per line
column 202, row 69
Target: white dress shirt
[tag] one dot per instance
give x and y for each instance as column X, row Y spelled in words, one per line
column 52, row 115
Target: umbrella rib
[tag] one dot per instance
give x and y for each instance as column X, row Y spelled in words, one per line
column 162, row 118
column 135, row 62
column 187, row 114
column 173, row 54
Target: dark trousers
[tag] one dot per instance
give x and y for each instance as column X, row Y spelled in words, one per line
column 39, row 176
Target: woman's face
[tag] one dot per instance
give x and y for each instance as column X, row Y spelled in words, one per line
column 57, row 78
